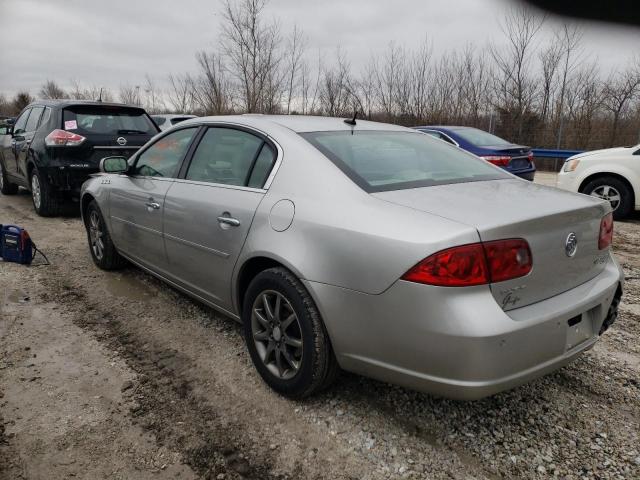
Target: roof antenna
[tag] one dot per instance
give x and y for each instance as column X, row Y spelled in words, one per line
column 352, row 121
column 100, row 98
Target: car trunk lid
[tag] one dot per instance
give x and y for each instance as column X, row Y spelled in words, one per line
column 543, row 216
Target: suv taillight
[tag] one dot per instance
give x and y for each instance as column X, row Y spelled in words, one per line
column 62, row 138
column 606, row 232
column 497, row 160
column 474, row 264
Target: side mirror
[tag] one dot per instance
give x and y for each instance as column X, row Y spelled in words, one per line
column 114, row 165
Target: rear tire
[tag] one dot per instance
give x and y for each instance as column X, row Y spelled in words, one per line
column 615, row 191
column 286, row 338
column 46, row 200
column 103, row 252
column 6, row 187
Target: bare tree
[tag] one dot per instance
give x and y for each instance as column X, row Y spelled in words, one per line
column 20, row 101
column 181, row 95
column 51, row 90
column 514, row 84
column 130, row 94
column 212, row 89
column 153, row 97
column 252, row 48
column 619, row 91
column 296, row 45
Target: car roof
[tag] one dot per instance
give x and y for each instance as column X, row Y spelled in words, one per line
column 65, row 102
column 173, row 115
column 298, row 123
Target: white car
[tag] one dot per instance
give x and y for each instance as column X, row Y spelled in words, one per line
column 166, row 121
column 612, row 174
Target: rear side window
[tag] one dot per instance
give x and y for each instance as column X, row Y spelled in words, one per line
column 262, row 168
column 98, row 120
column 175, row 120
column 226, row 156
column 163, row 158
column 379, row 161
column 159, row 120
column 46, row 116
column 481, row 138
column 34, row 118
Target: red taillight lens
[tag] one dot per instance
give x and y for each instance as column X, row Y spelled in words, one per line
column 474, row 264
column 62, row 138
column 497, row 160
column 606, row 232
column 530, row 156
column 508, row 259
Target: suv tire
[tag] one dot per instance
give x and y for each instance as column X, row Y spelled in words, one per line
column 46, row 201
column 6, row 187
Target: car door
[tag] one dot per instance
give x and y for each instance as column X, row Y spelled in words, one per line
column 137, row 199
column 17, row 144
column 209, row 210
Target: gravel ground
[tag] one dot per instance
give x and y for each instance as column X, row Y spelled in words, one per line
column 115, row 375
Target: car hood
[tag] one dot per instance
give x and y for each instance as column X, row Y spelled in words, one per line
column 605, row 152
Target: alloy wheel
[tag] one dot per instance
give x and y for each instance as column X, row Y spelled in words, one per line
column 277, row 334
column 608, row 193
column 95, row 234
column 36, row 193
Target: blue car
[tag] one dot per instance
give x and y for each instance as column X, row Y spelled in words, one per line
column 513, row 158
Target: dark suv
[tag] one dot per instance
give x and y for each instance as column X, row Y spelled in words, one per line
column 55, row 145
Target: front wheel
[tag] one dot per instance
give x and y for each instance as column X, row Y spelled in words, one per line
column 285, row 336
column 615, row 191
column 6, row 187
column 46, row 200
column 103, row 252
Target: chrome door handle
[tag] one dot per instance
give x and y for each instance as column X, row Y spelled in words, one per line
column 234, row 222
column 153, row 205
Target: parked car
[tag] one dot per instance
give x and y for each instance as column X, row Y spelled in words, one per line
column 56, row 144
column 515, row 159
column 165, row 122
column 612, row 174
column 369, row 247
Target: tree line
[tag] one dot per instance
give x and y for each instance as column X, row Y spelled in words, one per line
column 535, row 91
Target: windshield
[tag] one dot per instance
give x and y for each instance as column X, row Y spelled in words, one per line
column 108, row 120
column 379, row 160
column 480, row 138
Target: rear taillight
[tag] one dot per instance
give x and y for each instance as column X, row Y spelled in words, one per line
column 530, row 156
column 497, row 160
column 474, row 264
column 606, row 232
column 62, row 138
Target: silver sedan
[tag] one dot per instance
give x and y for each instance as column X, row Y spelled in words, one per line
column 362, row 246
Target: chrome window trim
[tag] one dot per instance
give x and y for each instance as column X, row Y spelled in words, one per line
column 218, row 185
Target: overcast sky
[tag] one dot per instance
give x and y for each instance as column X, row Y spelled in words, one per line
column 113, row 42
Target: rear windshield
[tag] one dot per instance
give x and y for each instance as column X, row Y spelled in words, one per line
column 480, row 138
column 108, row 121
column 379, row 161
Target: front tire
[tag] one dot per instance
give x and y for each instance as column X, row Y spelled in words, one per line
column 285, row 336
column 46, row 200
column 6, row 187
column 613, row 190
column 103, row 252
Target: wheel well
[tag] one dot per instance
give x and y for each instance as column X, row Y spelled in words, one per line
column 249, row 270
column 30, row 167
column 590, row 178
column 84, row 203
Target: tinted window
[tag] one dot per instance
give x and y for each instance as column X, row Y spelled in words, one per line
column 262, row 167
column 379, row 161
column 21, row 122
column 162, row 159
column 481, row 138
column 108, row 120
column 45, row 117
column 34, row 118
column 159, row 120
column 224, row 156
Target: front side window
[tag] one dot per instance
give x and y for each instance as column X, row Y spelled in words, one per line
column 21, row 122
column 163, row 158
column 226, row 156
column 34, row 118
column 380, row 160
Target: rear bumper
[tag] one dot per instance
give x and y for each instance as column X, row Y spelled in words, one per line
column 458, row 343
column 68, row 178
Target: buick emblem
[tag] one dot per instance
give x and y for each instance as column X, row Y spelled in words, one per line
column 121, row 141
column 571, row 245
